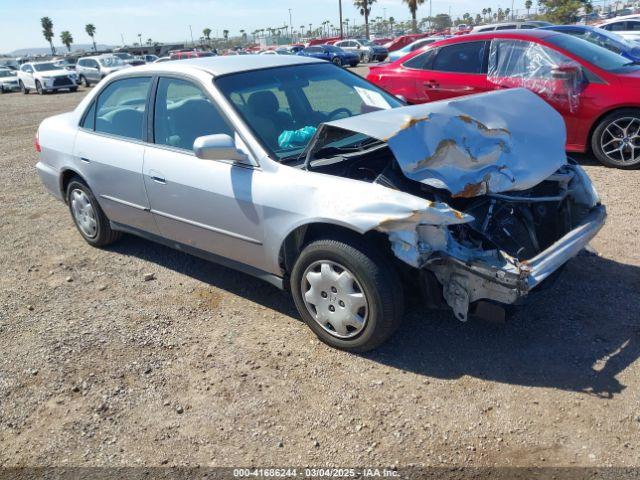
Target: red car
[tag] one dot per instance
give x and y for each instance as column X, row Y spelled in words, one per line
column 596, row 90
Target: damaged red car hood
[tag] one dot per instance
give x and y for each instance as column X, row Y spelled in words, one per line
column 473, row 145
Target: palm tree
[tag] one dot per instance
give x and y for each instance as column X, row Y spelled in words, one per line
column 478, row 20
column 365, row 9
column 149, row 42
column 47, row 31
column 66, row 39
column 225, row 34
column 391, row 22
column 500, row 14
column 207, row 34
column 489, row 13
column 507, row 11
column 484, row 14
column 413, row 8
column 91, row 31
column 528, row 4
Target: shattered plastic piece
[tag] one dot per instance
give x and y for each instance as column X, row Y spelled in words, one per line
column 500, row 141
column 290, row 138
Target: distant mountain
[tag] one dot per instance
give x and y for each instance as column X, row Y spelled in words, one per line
column 60, row 50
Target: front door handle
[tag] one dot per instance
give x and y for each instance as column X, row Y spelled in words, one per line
column 157, row 177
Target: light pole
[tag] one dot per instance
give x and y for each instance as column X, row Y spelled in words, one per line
column 191, row 31
column 290, row 26
column 340, row 12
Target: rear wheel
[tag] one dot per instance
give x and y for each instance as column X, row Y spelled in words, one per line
column 24, row 89
column 616, row 139
column 347, row 293
column 89, row 218
column 337, row 61
column 73, row 89
column 84, row 80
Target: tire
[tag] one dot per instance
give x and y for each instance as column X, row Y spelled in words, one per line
column 337, row 61
column 618, row 129
column 73, row 89
column 79, row 195
column 39, row 88
column 24, row 89
column 372, row 276
column 84, row 80
column 2, row 91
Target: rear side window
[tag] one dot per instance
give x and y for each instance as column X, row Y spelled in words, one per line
column 121, row 108
column 633, row 26
column 183, row 113
column 424, row 61
column 465, row 57
column 507, row 27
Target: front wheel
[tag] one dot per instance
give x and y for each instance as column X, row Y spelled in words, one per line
column 616, row 139
column 24, row 89
column 39, row 88
column 73, row 89
column 350, row 296
column 337, row 61
column 89, row 218
column 84, row 80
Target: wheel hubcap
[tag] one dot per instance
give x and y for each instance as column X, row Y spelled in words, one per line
column 83, row 213
column 620, row 141
column 335, row 299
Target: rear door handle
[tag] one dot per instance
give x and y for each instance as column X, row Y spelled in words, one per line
column 431, row 84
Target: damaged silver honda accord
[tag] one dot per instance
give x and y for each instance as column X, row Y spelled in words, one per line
column 311, row 178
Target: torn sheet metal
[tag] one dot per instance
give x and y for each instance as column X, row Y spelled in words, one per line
column 493, row 142
column 518, row 63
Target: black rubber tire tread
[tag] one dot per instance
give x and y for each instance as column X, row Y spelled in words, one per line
column 597, row 133
column 105, row 235
column 377, row 277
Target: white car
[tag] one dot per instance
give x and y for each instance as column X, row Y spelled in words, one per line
column 627, row 27
column 406, row 50
column 8, row 81
column 46, row 77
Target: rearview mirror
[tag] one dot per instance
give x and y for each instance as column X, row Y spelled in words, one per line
column 219, row 147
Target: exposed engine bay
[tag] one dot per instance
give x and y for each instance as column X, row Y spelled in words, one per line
column 521, row 224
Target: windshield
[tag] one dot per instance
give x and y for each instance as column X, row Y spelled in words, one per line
column 284, row 105
column 367, row 42
column 124, row 56
column 614, row 37
column 594, row 54
column 45, row 67
column 111, row 62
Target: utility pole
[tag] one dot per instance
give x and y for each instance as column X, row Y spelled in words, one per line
column 122, row 38
column 430, row 14
column 290, row 26
column 512, row 14
column 191, row 31
column 340, row 12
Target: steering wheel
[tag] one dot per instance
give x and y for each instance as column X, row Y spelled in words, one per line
column 332, row 114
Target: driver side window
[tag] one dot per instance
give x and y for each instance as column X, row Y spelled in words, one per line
column 120, row 108
column 183, row 112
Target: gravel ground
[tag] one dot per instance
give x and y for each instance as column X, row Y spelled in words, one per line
column 203, row 366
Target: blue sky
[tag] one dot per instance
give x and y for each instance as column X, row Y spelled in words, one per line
column 169, row 20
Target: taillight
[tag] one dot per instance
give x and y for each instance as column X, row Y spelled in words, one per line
column 36, row 143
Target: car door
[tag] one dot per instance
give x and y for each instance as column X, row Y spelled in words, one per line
column 522, row 63
column 28, row 76
column 205, row 204
column 95, row 75
column 453, row 70
column 109, row 150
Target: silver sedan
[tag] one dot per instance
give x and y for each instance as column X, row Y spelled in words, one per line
column 309, row 177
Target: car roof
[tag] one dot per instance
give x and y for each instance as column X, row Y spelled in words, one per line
column 622, row 18
column 513, row 33
column 224, row 65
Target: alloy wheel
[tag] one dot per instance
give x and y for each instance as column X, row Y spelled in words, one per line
column 334, row 298
column 620, row 140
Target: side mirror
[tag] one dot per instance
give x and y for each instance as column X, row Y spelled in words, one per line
column 219, row 147
column 565, row 72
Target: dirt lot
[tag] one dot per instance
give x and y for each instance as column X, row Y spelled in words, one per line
column 206, row 366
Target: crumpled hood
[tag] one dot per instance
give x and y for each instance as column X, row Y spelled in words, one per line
column 493, row 142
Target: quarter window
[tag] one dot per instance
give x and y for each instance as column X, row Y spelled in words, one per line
column 183, row 113
column 465, row 57
column 89, row 120
column 423, row 61
column 121, row 108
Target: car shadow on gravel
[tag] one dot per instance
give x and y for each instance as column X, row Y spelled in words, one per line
column 227, row 279
column 577, row 336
